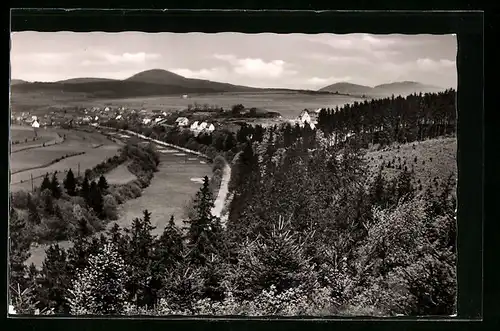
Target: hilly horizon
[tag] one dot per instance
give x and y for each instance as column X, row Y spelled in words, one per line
column 387, row 89
column 163, row 82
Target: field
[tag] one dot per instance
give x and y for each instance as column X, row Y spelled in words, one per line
column 288, row 104
column 120, row 175
column 434, row 158
column 20, row 133
column 171, row 189
column 97, row 148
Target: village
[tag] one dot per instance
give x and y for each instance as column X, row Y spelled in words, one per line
column 199, row 121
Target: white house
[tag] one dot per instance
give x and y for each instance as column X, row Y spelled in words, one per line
column 305, row 117
column 194, row 126
column 184, row 96
column 164, row 114
column 146, row 121
column 211, row 128
column 312, row 126
column 96, row 118
column 182, row 121
column 202, row 126
column 158, row 119
column 35, row 124
column 106, row 109
column 119, row 117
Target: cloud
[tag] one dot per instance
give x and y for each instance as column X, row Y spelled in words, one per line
column 427, row 64
column 105, row 58
column 327, row 81
column 217, row 73
column 256, row 67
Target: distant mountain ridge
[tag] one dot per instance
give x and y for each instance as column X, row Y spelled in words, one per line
column 388, row 89
column 157, row 82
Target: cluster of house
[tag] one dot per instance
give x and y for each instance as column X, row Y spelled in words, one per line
column 196, row 126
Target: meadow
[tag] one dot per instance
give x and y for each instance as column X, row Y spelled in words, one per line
column 26, row 139
column 38, row 161
column 172, row 188
column 120, row 175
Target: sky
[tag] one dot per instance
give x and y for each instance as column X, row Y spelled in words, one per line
column 301, row 61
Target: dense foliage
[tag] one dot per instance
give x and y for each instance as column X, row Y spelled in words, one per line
column 309, row 232
column 55, row 210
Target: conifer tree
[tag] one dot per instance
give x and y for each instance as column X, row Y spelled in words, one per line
column 103, row 184
column 45, row 183
column 377, row 189
column 96, row 200
column 85, row 189
column 54, row 186
column 204, row 232
column 70, row 183
column 139, row 259
column 54, row 280
column 19, row 246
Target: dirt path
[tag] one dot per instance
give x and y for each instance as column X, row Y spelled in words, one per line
column 223, row 191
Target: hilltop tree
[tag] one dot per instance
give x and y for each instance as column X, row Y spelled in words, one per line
column 55, row 187
column 45, row 183
column 103, row 184
column 70, row 183
column 204, row 231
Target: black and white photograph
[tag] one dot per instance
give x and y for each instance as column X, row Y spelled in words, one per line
column 232, row 174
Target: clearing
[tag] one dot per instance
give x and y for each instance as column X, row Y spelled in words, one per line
column 430, row 159
column 120, row 175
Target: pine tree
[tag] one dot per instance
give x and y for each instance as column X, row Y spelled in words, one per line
column 103, row 184
column 19, row 245
column 70, row 183
column 45, row 183
column 85, row 189
column 377, row 190
column 168, row 251
column 139, row 259
column 96, row 200
column 54, row 186
column 99, row 288
column 54, row 280
column 204, row 232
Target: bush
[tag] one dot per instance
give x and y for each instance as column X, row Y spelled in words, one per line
column 110, row 207
column 19, row 199
column 218, row 163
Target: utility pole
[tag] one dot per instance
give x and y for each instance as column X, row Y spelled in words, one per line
column 32, row 186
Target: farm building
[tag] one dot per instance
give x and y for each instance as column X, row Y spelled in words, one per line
column 119, row 117
column 202, row 126
column 304, row 117
column 146, row 121
column 194, row 126
column 211, row 127
column 182, row 121
column 158, row 119
column 184, row 96
column 35, row 124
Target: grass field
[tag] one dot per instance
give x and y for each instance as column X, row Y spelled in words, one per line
column 21, row 133
column 120, row 175
column 434, row 158
column 97, row 148
column 169, row 192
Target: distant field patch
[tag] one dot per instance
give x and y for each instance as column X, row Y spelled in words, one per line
column 24, row 136
column 180, row 154
column 197, row 180
column 120, row 175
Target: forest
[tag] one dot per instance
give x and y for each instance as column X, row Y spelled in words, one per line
column 309, row 232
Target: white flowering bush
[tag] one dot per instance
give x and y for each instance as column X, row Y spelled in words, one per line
column 99, row 288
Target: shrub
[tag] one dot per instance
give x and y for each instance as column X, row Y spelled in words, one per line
column 110, row 209
column 19, row 199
